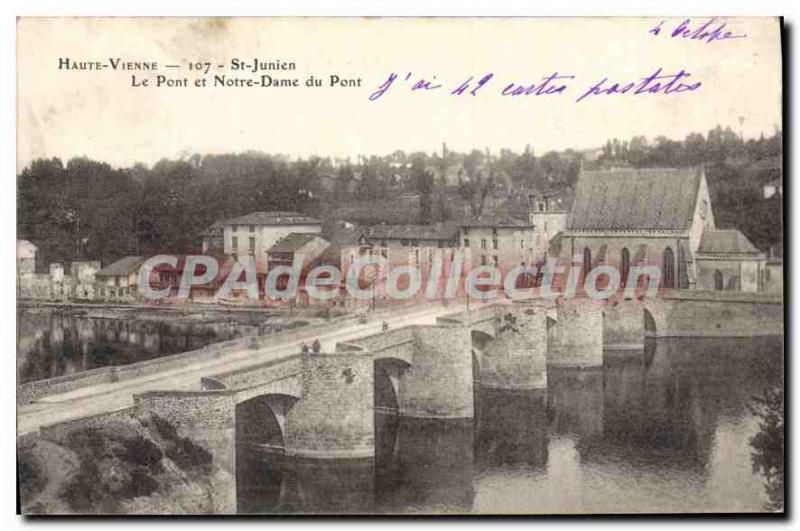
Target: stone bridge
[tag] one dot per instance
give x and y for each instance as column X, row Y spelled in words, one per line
column 627, row 323
column 322, row 405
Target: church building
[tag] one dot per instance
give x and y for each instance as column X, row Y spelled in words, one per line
column 661, row 217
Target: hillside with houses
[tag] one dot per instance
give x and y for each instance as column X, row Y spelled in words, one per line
column 503, row 207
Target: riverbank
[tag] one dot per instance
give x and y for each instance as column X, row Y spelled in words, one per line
column 71, row 342
column 124, row 465
column 184, row 309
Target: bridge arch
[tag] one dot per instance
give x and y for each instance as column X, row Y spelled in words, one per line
column 476, row 365
column 480, row 339
column 260, row 411
column 668, row 269
column 386, row 382
column 649, row 323
column 261, row 420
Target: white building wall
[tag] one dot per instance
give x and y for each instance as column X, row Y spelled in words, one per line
column 507, row 247
column 703, row 217
column 265, row 237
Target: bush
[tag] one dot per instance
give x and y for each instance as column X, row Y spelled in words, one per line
column 140, row 484
column 187, row 455
column 89, row 441
column 181, row 450
column 85, row 493
column 164, row 428
column 767, row 444
column 30, row 474
column 144, row 452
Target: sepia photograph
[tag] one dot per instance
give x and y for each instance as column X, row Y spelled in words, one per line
column 400, row 266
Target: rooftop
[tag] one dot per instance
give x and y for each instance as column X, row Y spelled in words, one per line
column 293, row 242
column 437, row 231
column 619, row 199
column 215, row 229
column 727, row 241
column 494, row 220
column 273, row 218
column 122, row 267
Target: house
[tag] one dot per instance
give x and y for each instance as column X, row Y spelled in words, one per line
column 772, row 188
column 82, row 275
column 26, row 258
column 254, row 233
column 498, row 240
column 30, row 285
column 84, row 271
column 213, row 237
column 726, row 260
column 119, row 280
column 400, row 209
column 327, row 182
column 549, row 214
column 419, row 246
column 438, row 235
column 165, row 276
column 56, row 272
column 659, row 217
column 306, row 247
column 773, row 275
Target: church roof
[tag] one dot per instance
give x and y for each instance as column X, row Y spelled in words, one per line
column 630, row 199
column 728, row 241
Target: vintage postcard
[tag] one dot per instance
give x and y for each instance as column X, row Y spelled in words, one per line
column 336, row 266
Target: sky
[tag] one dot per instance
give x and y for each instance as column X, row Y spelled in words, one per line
column 99, row 114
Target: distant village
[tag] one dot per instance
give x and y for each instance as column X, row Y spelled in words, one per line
column 611, row 216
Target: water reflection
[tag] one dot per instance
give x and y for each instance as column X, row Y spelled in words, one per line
column 52, row 343
column 424, row 465
column 664, row 432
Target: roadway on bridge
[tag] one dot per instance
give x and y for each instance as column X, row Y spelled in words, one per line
column 109, row 397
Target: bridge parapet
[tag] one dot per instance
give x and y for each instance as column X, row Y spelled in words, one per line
column 715, row 314
column 484, row 319
column 255, row 375
column 396, row 343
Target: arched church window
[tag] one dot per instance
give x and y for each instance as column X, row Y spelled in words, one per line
column 668, row 269
column 625, row 267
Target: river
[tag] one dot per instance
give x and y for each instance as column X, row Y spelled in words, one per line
column 664, row 430
column 57, row 341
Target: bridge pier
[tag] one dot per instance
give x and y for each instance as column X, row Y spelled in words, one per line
column 334, row 419
column 623, row 325
column 576, row 340
column 517, row 356
column 438, row 384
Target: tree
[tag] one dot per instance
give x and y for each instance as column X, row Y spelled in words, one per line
column 344, row 178
column 475, row 191
column 694, row 149
column 423, row 183
column 767, row 444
